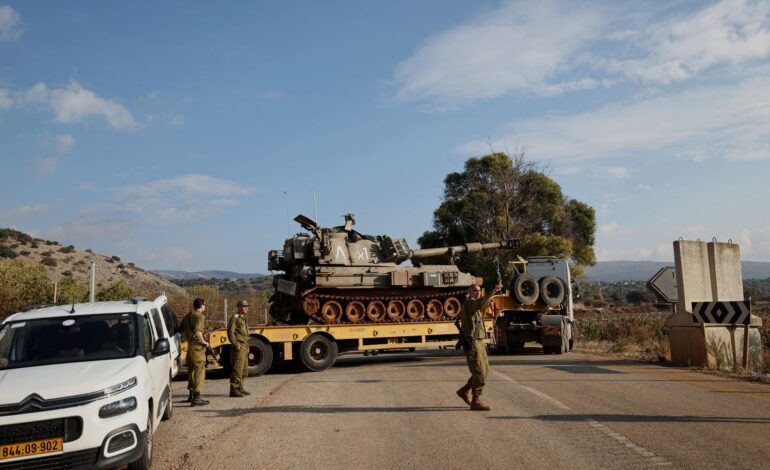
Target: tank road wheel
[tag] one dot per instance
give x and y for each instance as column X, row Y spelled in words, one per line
column 375, row 311
column 434, row 309
column 396, row 310
column 331, row 312
column 318, row 352
column 525, row 289
column 355, row 311
column 452, row 307
column 310, row 305
column 415, row 309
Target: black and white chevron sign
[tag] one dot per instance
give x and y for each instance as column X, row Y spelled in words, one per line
column 732, row 313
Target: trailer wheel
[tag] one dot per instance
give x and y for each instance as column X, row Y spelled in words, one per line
column 551, row 291
column 318, row 352
column 260, row 357
column 525, row 289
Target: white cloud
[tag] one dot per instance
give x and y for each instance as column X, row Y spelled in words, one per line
column 6, row 101
column 11, row 26
column 746, row 244
column 46, row 166
column 24, row 211
column 610, row 228
column 180, row 198
column 618, row 172
column 191, row 186
column 730, row 121
column 64, row 143
column 521, row 46
column 74, row 103
column 553, row 47
column 643, row 187
column 730, row 32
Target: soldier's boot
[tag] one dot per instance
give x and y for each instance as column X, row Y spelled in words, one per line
column 189, row 397
column 234, row 392
column 198, row 401
column 478, row 405
column 464, row 393
column 244, row 391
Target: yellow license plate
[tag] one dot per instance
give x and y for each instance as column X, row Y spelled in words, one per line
column 25, row 449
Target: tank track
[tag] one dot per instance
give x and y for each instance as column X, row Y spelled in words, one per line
column 366, row 309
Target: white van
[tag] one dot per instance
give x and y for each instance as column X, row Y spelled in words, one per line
column 83, row 385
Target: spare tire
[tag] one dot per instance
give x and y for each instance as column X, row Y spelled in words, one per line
column 525, row 289
column 551, row 291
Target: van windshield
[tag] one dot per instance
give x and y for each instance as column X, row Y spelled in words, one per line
column 67, row 339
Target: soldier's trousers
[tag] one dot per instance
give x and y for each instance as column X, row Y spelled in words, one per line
column 478, row 364
column 196, row 369
column 239, row 360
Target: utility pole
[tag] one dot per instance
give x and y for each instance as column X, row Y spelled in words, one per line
column 92, row 283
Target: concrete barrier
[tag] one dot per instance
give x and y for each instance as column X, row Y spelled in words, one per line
column 709, row 272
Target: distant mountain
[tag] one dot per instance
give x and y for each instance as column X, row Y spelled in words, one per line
column 616, row 271
column 211, row 274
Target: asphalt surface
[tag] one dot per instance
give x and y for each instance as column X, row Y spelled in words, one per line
column 400, row 411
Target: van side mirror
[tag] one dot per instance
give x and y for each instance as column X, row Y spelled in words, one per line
column 161, row 347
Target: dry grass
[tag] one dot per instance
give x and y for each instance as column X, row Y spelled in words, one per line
column 637, row 334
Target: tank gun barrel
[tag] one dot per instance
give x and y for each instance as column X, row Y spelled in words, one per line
column 467, row 248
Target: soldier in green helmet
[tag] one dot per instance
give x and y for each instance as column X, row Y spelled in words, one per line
column 193, row 326
column 472, row 334
column 238, row 334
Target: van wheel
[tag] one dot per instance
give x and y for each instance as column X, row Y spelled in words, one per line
column 260, row 357
column 145, row 461
column 318, row 352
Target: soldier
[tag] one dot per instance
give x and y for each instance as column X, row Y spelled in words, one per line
column 472, row 335
column 193, row 326
column 238, row 334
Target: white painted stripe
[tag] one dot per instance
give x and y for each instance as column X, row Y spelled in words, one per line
column 617, row 437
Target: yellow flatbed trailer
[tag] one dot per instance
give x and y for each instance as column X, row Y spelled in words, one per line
column 318, row 346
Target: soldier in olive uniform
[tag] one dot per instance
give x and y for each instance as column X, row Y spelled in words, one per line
column 193, row 326
column 238, row 334
column 473, row 334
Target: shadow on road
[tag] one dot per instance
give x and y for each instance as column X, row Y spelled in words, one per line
column 639, row 418
column 333, row 410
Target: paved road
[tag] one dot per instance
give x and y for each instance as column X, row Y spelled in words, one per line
column 400, row 411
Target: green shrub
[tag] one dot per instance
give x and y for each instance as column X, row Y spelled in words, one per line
column 118, row 291
column 67, row 249
column 7, row 252
column 22, row 285
column 48, row 261
column 115, row 258
column 70, row 291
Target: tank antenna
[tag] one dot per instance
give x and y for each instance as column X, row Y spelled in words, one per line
column 315, row 209
column 286, row 210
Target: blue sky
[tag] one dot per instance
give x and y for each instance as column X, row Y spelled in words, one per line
column 179, row 135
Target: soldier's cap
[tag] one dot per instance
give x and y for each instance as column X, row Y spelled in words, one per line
column 243, row 303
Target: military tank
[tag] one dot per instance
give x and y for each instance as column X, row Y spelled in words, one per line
column 338, row 275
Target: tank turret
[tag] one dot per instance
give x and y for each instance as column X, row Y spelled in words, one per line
column 338, row 274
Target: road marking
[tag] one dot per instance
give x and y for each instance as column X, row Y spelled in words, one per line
column 617, row 437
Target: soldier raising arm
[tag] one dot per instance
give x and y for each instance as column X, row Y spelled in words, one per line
column 473, row 335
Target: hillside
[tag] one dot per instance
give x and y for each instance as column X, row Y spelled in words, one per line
column 61, row 261
column 615, row 271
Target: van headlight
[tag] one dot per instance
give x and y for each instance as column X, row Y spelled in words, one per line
column 130, row 383
column 118, row 407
